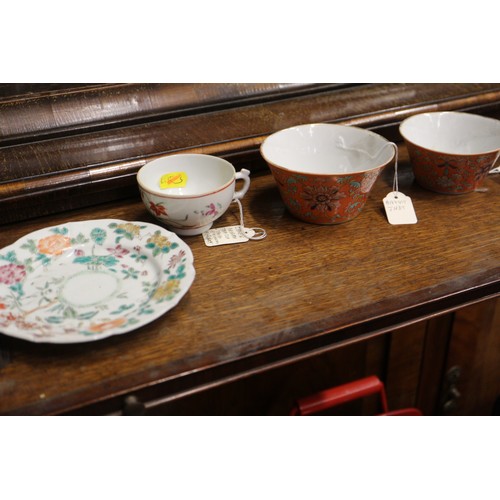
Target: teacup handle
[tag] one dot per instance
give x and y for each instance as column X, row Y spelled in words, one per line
column 244, row 175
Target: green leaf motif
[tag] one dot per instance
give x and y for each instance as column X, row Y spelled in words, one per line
column 180, row 273
column 30, row 245
column 87, row 315
column 108, row 260
column 69, row 312
column 130, row 273
column 138, row 257
column 96, row 260
column 54, row 319
column 17, row 288
column 9, row 257
column 79, row 240
column 44, row 259
column 98, row 235
column 122, row 309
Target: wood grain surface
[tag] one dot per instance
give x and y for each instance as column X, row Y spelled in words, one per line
column 51, row 110
column 303, row 289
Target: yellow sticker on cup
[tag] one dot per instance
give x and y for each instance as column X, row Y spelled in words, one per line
column 173, row 180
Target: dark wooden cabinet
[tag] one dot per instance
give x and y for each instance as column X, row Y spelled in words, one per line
column 265, row 322
column 447, row 365
column 472, row 374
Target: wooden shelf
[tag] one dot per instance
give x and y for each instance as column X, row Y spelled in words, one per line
column 304, row 290
column 254, row 308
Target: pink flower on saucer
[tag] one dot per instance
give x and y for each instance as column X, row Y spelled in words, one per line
column 12, row 273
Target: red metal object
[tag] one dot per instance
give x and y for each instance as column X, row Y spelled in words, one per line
column 341, row 394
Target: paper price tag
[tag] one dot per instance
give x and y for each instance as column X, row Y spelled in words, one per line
column 173, row 180
column 399, row 209
column 227, row 235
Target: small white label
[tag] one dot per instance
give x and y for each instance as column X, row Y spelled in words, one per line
column 226, row 236
column 399, row 209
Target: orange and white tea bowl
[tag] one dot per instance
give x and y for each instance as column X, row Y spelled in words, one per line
column 325, row 172
column 451, row 152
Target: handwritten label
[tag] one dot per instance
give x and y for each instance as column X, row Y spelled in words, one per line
column 399, row 209
column 173, row 180
column 227, row 235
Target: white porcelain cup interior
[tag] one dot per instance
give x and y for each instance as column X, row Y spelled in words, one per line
column 190, row 176
column 452, row 132
column 327, row 149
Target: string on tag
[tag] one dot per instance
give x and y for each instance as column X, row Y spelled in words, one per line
column 495, row 170
column 252, row 233
column 395, row 185
column 398, row 207
column 342, row 145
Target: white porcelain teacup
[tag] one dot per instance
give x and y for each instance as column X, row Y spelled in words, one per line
column 188, row 192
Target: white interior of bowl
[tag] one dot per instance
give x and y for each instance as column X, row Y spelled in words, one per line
column 200, row 174
column 452, row 132
column 327, row 149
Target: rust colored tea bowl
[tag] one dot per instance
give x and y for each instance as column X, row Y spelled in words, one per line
column 325, row 172
column 451, row 152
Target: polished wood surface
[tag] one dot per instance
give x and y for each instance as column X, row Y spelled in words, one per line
column 304, row 290
column 308, row 306
column 49, row 110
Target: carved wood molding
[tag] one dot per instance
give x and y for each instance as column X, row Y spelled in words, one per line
column 89, row 161
column 62, row 111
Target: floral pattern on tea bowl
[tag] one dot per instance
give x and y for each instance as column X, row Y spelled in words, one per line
column 451, row 152
column 325, row 172
column 449, row 174
column 188, row 192
column 325, row 199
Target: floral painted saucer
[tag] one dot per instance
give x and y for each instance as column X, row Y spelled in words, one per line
column 85, row 281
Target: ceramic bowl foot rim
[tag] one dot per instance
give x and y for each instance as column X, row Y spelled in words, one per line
column 194, row 231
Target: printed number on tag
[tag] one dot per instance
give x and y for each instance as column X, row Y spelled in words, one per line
column 399, row 209
column 226, row 236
